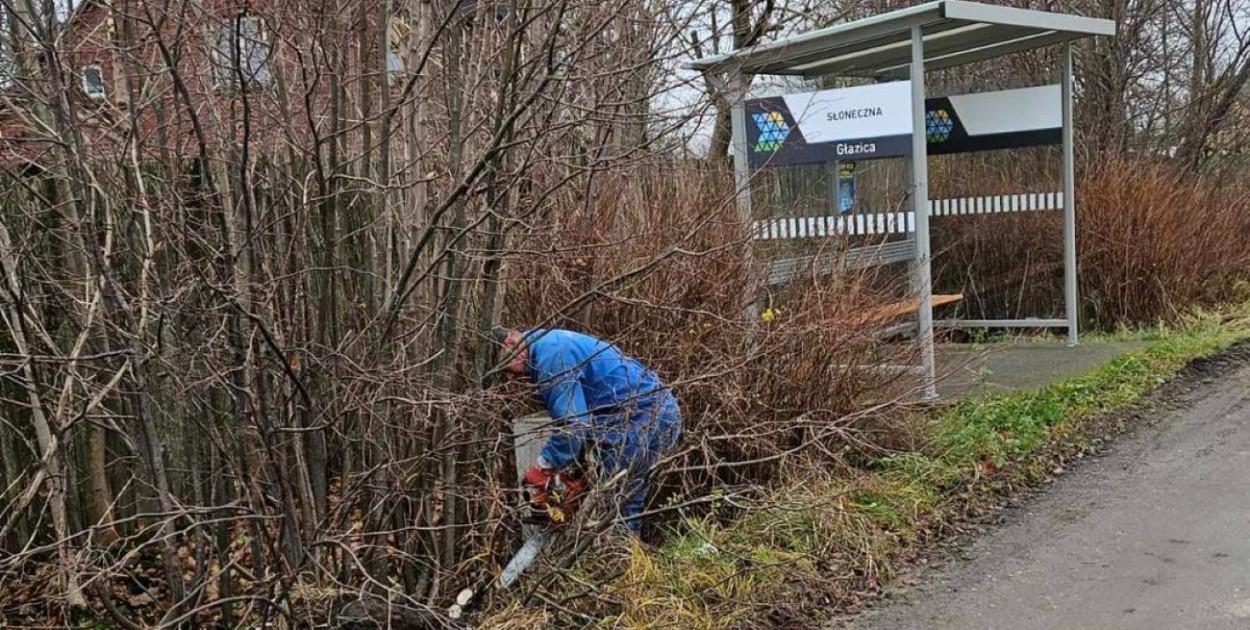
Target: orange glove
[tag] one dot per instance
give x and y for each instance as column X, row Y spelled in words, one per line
column 536, row 477
column 537, row 483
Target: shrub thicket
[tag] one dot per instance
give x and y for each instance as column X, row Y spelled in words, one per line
column 1153, row 241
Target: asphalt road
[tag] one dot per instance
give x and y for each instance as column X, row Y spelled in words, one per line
column 1152, row 534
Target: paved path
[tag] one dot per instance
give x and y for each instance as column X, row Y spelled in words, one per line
column 1154, row 534
column 1020, row 365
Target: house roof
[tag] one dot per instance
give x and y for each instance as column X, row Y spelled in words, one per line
column 955, row 32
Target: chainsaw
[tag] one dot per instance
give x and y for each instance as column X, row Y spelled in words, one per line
column 544, row 511
column 552, row 506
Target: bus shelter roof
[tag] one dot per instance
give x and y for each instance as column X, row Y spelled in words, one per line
column 955, row 32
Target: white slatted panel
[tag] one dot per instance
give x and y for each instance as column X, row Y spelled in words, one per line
column 900, row 222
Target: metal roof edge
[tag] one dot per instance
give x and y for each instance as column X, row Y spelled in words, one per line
column 818, row 34
column 1013, row 16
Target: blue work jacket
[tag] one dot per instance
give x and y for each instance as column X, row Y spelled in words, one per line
column 594, row 392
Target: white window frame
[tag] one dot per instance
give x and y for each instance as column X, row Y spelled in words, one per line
column 394, row 64
column 396, row 69
column 86, row 87
column 226, row 73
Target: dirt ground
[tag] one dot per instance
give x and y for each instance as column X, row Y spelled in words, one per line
column 1150, row 533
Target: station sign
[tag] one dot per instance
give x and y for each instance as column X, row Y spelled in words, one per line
column 875, row 121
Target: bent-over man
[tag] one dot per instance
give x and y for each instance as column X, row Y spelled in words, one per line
column 600, row 401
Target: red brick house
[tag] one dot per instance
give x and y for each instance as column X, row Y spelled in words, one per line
column 179, row 74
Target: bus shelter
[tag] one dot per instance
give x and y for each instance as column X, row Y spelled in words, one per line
column 889, row 117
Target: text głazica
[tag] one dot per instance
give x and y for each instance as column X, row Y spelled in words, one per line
column 857, row 148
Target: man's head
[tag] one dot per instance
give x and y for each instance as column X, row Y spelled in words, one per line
column 510, row 347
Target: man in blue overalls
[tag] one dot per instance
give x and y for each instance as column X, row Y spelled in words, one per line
column 598, row 398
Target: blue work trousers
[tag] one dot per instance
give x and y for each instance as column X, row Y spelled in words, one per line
column 649, row 438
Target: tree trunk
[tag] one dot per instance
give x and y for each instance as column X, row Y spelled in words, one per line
column 53, row 467
column 722, row 133
column 745, row 33
column 12, row 472
column 99, row 494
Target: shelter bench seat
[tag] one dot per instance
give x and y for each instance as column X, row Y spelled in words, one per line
column 894, row 310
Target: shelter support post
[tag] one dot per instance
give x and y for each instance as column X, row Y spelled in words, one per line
column 920, row 205
column 736, row 92
column 1069, row 201
column 734, row 84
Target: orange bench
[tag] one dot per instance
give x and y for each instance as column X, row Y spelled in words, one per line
column 899, row 309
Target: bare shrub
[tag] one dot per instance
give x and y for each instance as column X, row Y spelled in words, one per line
column 419, row 491
column 1155, row 240
column 751, row 391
